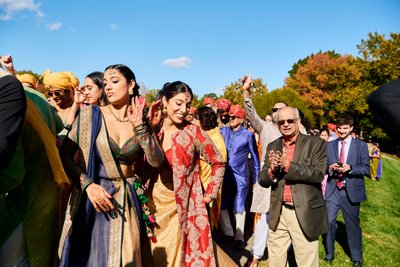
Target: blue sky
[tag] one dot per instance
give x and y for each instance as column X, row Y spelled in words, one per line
column 207, row 44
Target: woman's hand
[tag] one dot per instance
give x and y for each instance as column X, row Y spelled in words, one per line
column 100, row 198
column 79, row 96
column 135, row 111
column 207, row 200
column 155, row 114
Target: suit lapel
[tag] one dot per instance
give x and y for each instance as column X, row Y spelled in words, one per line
column 299, row 147
column 336, row 149
column 352, row 151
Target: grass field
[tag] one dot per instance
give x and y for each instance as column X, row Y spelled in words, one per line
column 380, row 222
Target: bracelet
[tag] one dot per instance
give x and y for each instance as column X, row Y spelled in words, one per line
column 141, row 128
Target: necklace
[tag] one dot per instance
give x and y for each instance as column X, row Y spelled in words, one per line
column 115, row 116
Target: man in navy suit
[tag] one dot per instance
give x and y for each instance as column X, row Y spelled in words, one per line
column 347, row 163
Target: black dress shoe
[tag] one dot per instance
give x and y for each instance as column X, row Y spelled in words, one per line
column 357, row 263
column 329, row 258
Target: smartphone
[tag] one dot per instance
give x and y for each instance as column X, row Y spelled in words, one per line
column 339, row 163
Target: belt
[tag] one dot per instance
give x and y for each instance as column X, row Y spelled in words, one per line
column 288, row 205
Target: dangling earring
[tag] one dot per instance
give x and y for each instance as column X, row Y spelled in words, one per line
column 164, row 110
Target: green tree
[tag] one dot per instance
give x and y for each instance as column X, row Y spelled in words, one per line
column 234, row 91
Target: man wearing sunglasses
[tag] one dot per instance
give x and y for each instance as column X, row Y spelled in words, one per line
column 239, row 143
column 294, row 169
column 60, row 91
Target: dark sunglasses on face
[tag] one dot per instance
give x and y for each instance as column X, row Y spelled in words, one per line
column 56, row 93
column 232, row 117
column 289, row 121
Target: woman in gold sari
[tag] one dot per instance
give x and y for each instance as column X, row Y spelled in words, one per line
column 103, row 225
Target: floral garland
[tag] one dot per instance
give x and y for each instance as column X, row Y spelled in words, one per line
column 148, row 218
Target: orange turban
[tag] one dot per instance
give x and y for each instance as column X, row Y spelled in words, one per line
column 331, row 126
column 27, row 78
column 223, row 104
column 237, row 111
column 74, row 80
column 58, row 80
column 208, row 101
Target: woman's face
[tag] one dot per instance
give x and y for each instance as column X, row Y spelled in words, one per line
column 177, row 107
column 117, row 87
column 324, row 135
column 92, row 92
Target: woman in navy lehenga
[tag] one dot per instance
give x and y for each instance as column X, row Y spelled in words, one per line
column 103, row 225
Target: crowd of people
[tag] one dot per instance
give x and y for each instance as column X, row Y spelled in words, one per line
column 93, row 175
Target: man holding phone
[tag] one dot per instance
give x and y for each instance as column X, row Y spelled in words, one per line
column 348, row 163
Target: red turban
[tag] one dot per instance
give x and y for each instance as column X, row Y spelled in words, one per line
column 223, row 104
column 208, row 101
column 237, row 111
column 331, row 126
column 192, row 110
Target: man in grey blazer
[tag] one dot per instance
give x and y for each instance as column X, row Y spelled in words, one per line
column 294, row 169
column 348, row 163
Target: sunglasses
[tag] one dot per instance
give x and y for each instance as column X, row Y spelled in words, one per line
column 233, row 117
column 275, row 109
column 56, row 93
column 289, row 121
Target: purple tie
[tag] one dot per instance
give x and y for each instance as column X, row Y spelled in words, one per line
column 339, row 182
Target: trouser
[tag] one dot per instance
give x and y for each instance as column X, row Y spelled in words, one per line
column 339, row 200
column 14, row 251
column 226, row 226
column 260, row 236
column 289, row 231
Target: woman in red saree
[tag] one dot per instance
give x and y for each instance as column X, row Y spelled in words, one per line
column 175, row 190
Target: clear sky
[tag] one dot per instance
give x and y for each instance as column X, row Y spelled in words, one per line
column 207, row 44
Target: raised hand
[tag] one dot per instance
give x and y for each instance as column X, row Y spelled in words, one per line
column 155, row 114
column 135, row 110
column 8, row 63
column 246, row 82
column 79, row 96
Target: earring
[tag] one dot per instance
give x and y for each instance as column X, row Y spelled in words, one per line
column 164, row 110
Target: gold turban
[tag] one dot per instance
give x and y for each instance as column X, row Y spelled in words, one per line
column 27, row 78
column 74, row 80
column 58, row 80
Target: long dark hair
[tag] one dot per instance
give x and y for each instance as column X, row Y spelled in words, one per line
column 128, row 74
column 97, row 78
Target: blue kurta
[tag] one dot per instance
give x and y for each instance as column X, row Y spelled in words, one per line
column 237, row 171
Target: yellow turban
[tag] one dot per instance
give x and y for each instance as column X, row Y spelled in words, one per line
column 74, row 80
column 27, row 78
column 58, row 80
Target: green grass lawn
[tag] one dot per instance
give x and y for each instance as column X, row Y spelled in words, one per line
column 380, row 222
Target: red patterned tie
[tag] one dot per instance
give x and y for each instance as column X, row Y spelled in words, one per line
column 339, row 182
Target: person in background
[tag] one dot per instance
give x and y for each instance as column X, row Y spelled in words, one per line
column 375, row 162
column 190, row 115
column 208, row 102
column 294, row 169
column 268, row 118
column 27, row 80
column 206, row 119
column 324, row 134
column 332, row 131
column 239, row 143
column 175, row 191
column 347, row 164
column 268, row 131
column 106, row 221
column 223, row 105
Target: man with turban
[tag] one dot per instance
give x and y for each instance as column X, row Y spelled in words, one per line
column 208, row 102
column 190, row 115
column 223, row 106
column 239, row 143
column 61, row 87
column 27, row 80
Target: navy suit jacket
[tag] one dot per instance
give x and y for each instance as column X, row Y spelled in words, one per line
column 358, row 158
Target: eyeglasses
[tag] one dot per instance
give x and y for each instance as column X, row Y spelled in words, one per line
column 56, row 93
column 289, row 121
column 275, row 109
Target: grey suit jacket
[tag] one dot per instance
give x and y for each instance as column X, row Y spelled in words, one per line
column 305, row 174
